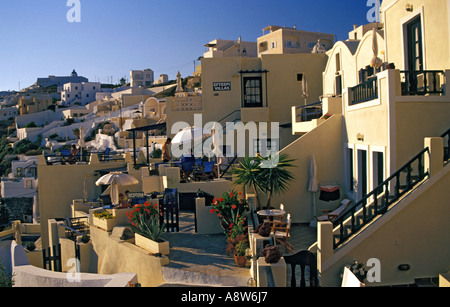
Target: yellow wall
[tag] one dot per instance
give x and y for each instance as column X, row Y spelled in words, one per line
column 325, row 143
column 409, row 130
column 435, row 28
column 60, row 184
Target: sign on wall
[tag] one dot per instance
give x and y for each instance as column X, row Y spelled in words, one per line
column 221, row 86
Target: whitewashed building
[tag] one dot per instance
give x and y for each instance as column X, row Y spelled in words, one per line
column 80, row 93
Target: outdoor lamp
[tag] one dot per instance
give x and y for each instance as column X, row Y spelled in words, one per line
column 404, row 267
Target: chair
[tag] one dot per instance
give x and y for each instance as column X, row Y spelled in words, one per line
column 303, row 258
column 329, row 215
column 206, row 173
column 282, row 232
column 187, row 168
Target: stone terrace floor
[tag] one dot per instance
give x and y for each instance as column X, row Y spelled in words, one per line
column 201, row 259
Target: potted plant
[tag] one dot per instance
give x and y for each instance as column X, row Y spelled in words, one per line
column 85, row 238
column 30, row 246
column 269, row 175
column 230, row 207
column 145, row 224
column 239, row 254
column 104, row 220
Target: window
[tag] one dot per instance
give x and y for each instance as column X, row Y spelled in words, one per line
column 338, row 62
column 252, row 92
column 299, row 77
column 274, row 45
column 265, row 147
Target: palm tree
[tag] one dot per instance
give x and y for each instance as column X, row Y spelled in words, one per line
column 248, row 173
column 269, row 175
column 275, row 176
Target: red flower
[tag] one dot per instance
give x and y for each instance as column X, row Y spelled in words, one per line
column 240, row 193
column 233, row 207
column 231, row 194
column 212, row 211
column 221, row 199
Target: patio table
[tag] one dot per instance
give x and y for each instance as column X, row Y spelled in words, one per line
column 272, row 213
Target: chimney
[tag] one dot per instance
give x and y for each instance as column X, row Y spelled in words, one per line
column 355, row 27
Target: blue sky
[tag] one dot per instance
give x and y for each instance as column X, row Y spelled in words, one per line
column 114, row 36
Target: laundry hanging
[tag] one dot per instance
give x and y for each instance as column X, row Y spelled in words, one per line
column 329, row 193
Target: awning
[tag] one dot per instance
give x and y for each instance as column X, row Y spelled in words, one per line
column 150, row 127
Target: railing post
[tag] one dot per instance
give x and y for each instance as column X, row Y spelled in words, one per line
column 325, row 248
column 434, row 163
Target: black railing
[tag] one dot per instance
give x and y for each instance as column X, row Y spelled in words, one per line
column 309, row 112
column 446, row 137
column 378, row 201
column 422, row 82
column 69, row 159
column 364, row 92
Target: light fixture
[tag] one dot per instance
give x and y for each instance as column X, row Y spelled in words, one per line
column 409, row 7
column 404, row 267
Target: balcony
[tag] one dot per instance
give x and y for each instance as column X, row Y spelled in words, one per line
column 407, row 84
column 364, row 92
column 422, row 83
column 306, row 118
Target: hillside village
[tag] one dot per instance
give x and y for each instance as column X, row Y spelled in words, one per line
column 359, row 129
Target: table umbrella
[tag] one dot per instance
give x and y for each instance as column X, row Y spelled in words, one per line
column 189, row 134
column 115, row 180
column 313, row 186
column 376, row 62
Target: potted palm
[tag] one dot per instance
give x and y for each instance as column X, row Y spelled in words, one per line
column 145, row 224
column 269, row 175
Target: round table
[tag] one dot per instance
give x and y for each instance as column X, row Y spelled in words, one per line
column 272, row 213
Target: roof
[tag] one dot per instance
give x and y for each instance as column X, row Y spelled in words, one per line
column 148, row 128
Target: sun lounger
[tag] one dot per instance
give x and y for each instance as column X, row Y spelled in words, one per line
column 332, row 215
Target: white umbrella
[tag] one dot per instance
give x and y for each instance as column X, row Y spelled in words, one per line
column 188, row 135
column 376, row 61
column 313, row 187
column 116, row 179
column 305, row 87
column 81, row 142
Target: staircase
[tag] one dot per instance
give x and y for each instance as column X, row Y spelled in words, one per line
column 376, row 203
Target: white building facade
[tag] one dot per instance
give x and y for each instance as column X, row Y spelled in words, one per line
column 144, row 77
column 80, row 93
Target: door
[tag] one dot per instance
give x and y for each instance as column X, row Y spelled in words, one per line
column 253, row 92
column 415, row 54
column 362, row 174
column 414, row 45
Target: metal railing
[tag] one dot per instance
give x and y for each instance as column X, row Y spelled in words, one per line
column 309, row 112
column 378, row 201
column 422, row 82
column 364, row 92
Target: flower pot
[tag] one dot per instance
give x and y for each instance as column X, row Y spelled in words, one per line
column 241, row 261
column 106, row 224
column 152, row 246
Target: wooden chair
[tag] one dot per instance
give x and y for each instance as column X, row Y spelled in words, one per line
column 282, row 232
column 304, row 259
column 329, row 215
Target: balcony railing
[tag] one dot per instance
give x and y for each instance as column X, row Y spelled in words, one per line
column 422, row 82
column 364, row 92
column 382, row 197
column 309, row 112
